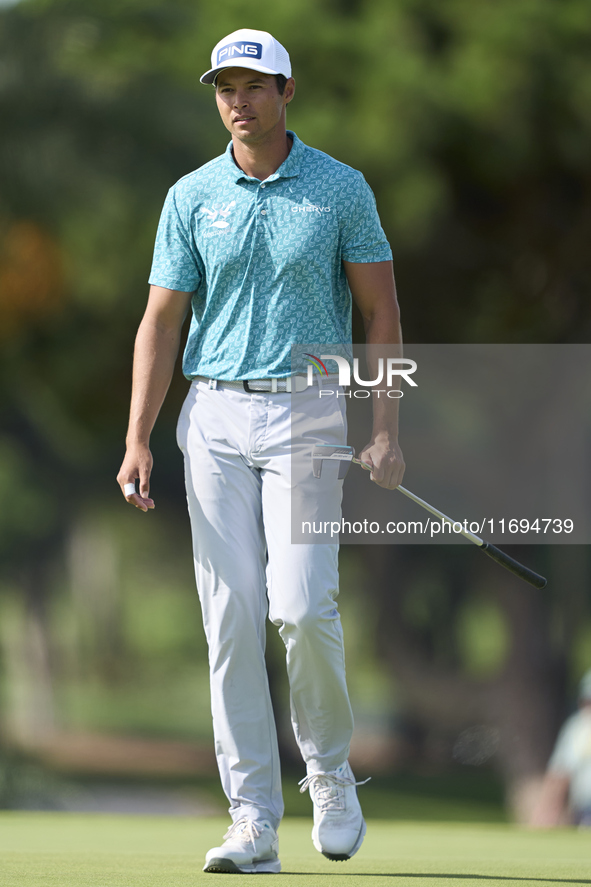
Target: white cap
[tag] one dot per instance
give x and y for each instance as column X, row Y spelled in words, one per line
column 246, row 48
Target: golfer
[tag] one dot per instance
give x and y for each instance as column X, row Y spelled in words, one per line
column 265, row 245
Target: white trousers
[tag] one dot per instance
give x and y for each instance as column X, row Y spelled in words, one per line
column 237, row 448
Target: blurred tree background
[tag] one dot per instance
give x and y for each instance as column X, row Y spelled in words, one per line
column 472, row 123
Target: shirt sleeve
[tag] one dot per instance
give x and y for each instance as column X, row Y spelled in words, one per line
column 177, row 264
column 362, row 236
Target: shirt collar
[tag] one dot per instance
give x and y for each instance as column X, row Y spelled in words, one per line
column 288, row 169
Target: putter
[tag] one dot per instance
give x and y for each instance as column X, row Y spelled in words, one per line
column 345, row 455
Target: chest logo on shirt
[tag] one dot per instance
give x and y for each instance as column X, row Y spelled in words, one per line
column 219, row 217
column 306, row 206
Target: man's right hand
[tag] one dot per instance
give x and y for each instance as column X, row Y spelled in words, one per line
column 137, row 463
column 156, row 348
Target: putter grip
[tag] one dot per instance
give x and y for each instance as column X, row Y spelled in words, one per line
column 510, row 564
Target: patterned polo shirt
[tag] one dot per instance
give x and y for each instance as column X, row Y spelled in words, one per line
column 264, row 259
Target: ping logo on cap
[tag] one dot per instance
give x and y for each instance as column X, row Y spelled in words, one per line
column 232, row 50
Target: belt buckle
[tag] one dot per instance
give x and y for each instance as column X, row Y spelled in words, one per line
column 274, row 389
column 249, row 389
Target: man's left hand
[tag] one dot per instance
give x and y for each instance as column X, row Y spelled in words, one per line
column 384, row 458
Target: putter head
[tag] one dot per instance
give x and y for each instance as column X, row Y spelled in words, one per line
column 322, row 452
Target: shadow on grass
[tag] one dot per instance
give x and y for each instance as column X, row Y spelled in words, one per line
column 426, row 876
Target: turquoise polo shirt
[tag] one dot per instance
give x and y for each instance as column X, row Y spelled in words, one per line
column 263, row 260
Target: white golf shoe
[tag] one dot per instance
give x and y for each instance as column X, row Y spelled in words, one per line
column 339, row 827
column 249, row 847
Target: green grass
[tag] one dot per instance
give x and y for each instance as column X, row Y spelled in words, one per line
column 67, row 850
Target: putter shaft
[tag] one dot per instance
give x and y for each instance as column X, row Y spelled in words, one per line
column 488, row 548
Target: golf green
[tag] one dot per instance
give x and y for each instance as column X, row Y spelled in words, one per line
column 96, row 850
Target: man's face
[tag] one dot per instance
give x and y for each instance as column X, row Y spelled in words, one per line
column 250, row 105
